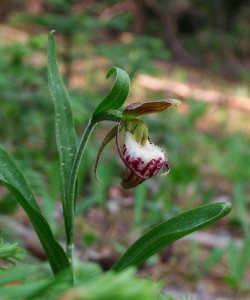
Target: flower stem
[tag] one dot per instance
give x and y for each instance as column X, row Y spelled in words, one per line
column 70, row 250
column 111, row 115
column 73, row 187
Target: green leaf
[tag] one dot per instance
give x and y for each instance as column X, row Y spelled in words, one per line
column 108, row 115
column 13, row 179
column 170, row 231
column 119, row 93
column 65, row 133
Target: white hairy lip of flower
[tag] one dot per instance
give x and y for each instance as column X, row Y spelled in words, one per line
column 146, row 153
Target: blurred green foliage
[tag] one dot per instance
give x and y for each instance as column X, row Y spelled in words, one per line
column 91, row 284
column 10, row 252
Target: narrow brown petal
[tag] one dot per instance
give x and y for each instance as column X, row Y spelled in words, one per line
column 142, row 108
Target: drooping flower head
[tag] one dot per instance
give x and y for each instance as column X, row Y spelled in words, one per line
column 142, row 162
column 141, row 157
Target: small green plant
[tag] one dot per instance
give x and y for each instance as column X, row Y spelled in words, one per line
column 142, row 160
column 10, row 252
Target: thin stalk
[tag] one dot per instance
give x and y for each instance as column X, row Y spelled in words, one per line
column 111, row 115
column 72, row 187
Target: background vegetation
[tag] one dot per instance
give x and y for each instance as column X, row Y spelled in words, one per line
column 202, row 44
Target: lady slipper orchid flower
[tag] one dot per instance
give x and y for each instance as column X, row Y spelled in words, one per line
column 141, row 157
column 142, row 161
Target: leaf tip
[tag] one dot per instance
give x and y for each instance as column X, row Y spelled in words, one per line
column 111, row 71
column 227, row 208
column 52, row 32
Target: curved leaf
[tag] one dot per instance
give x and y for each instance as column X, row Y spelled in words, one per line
column 13, row 179
column 170, row 231
column 65, row 133
column 119, row 93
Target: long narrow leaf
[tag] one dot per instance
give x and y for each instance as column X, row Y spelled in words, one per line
column 170, row 231
column 65, row 132
column 13, row 179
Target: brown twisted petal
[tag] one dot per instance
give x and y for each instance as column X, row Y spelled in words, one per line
column 142, row 108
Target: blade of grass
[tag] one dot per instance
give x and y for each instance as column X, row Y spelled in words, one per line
column 213, row 257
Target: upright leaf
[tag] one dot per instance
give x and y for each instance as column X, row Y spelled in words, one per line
column 65, row 133
column 170, row 231
column 13, row 179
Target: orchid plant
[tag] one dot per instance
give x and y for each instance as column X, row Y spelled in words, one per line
column 141, row 157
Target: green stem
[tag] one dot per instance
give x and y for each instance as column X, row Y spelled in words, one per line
column 73, row 185
column 111, row 115
column 70, row 250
